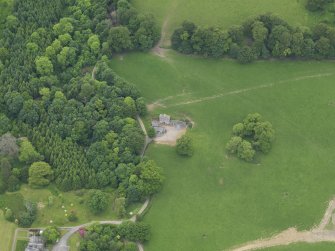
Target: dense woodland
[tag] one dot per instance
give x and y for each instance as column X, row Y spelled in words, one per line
column 261, row 37
column 63, row 108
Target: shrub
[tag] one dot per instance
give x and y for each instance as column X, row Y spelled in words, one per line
column 13, row 183
column 151, row 132
column 25, row 219
column 185, row 146
column 9, row 215
column 72, row 216
column 137, row 232
column 317, row 5
column 246, row 55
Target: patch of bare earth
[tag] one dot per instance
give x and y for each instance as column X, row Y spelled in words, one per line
column 158, row 50
column 171, row 136
column 292, row 235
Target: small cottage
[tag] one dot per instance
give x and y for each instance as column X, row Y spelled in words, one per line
column 36, row 243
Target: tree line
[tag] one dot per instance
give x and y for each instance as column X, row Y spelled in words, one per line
column 262, row 37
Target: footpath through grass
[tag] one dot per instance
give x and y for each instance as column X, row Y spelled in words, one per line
column 224, row 12
column 213, row 201
column 325, row 246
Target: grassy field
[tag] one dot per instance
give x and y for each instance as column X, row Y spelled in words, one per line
column 224, row 12
column 213, row 201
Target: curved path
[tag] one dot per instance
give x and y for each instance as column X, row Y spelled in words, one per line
column 158, row 49
column 291, row 235
column 62, row 244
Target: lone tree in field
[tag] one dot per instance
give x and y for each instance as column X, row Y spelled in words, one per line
column 40, row 174
column 251, row 136
column 185, row 146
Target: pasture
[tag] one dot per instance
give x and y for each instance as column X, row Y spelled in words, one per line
column 213, row 201
column 223, row 13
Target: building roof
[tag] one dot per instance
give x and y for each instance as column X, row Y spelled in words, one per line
column 164, row 118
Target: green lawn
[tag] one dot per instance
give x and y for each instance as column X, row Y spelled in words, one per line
column 74, row 242
column 6, row 233
column 224, row 12
column 325, row 246
column 21, row 245
column 213, row 201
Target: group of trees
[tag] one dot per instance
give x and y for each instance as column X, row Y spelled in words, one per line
column 20, row 164
column 114, row 238
column 135, row 31
column 257, row 38
column 80, row 126
column 251, row 136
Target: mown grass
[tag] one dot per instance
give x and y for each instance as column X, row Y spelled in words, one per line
column 21, row 245
column 74, row 242
column 213, row 201
column 225, row 12
column 6, row 233
column 324, row 246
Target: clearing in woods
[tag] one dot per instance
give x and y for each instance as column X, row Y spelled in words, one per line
column 216, row 202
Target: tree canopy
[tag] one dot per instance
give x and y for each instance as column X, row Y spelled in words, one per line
column 251, row 136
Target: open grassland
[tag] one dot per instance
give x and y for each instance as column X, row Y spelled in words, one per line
column 224, row 12
column 304, row 247
column 213, row 201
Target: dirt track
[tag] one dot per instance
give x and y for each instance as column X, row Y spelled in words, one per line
column 291, row 235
